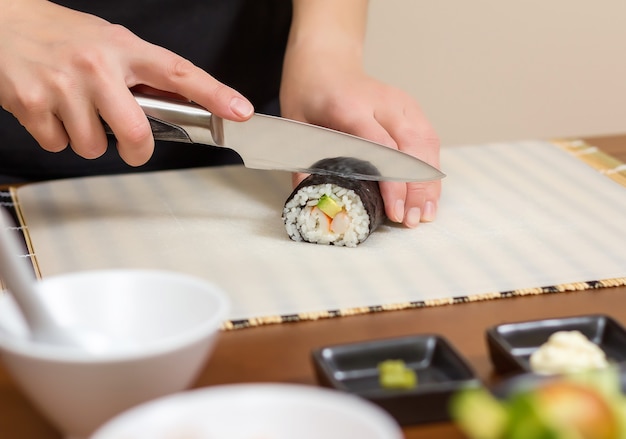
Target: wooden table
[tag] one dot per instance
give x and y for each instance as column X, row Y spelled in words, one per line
column 281, row 353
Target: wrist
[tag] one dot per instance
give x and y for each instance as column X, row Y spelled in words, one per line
column 328, row 30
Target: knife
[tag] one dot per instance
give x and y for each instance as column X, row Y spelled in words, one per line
column 270, row 142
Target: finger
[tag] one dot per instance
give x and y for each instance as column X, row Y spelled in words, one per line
column 297, row 177
column 363, row 124
column 424, row 196
column 83, row 126
column 164, row 70
column 414, row 204
column 422, row 199
column 128, row 122
column 411, row 132
column 32, row 107
column 367, row 127
column 48, row 131
column 414, row 135
column 394, row 195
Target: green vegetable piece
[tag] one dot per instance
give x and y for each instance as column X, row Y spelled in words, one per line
column 329, row 206
column 393, row 374
column 479, row 414
column 526, row 419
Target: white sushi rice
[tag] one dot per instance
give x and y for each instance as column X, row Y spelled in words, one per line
column 301, row 225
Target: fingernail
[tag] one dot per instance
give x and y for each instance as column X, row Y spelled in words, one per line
column 413, row 217
column 430, row 211
column 241, row 107
column 399, row 211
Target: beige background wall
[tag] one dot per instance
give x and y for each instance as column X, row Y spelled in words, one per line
column 491, row 70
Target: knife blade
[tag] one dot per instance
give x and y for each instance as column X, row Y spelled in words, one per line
column 276, row 143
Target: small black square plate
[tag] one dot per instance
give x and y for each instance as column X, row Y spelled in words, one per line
column 441, row 371
column 511, row 345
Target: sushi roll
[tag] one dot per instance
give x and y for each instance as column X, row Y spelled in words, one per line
column 335, row 210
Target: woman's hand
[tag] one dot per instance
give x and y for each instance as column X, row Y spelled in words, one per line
column 324, row 84
column 61, row 70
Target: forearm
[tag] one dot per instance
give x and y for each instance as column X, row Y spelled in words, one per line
column 324, row 27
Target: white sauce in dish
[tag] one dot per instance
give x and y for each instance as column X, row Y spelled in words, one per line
column 567, row 351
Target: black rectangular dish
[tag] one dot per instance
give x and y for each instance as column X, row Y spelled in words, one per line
column 440, row 370
column 510, row 345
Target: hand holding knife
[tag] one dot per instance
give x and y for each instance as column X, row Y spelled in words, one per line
column 269, row 142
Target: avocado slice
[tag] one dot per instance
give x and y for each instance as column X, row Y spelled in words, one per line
column 329, row 206
column 394, row 374
column 479, row 414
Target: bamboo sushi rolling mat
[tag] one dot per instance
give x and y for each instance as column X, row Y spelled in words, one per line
column 515, row 218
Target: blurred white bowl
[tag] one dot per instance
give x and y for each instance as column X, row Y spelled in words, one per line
column 254, row 411
column 164, row 324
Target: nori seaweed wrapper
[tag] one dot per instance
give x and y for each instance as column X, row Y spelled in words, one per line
column 367, row 190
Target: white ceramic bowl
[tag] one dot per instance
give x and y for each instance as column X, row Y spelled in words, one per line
column 254, row 411
column 164, row 325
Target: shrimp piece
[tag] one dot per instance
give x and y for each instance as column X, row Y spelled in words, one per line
column 340, row 223
column 322, row 221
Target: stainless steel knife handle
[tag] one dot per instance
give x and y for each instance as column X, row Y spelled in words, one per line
column 179, row 121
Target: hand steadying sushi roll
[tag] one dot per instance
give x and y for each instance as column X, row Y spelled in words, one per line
column 330, row 209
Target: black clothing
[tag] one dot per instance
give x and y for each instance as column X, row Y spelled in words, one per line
column 239, row 42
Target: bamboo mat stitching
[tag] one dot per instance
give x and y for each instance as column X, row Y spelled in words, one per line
column 7, row 202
